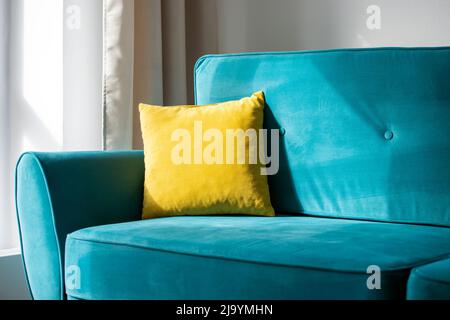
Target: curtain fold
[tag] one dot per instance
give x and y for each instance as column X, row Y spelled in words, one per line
column 148, row 60
column 144, row 61
column 118, row 74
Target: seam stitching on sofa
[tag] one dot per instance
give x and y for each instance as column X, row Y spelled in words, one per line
column 399, row 269
column 329, row 215
column 205, row 58
column 20, row 230
column 44, row 176
column 305, row 52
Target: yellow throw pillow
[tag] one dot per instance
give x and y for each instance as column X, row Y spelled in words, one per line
column 195, row 162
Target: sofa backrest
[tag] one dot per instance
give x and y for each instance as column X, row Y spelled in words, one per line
column 366, row 131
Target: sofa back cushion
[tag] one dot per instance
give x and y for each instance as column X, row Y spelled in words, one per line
column 365, row 132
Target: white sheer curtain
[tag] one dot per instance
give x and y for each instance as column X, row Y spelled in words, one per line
column 50, row 86
column 31, row 77
column 5, row 220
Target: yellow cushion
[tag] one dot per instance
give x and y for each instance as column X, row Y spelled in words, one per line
column 192, row 170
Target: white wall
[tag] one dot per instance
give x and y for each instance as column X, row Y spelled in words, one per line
column 265, row 25
column 223, row 26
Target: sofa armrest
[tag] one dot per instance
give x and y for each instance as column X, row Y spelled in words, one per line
column 59, row 193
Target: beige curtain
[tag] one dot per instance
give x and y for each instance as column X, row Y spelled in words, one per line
column 118, row 46
column 143, row 40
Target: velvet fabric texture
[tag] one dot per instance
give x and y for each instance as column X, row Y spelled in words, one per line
column 367, row 132
column 58, row 193
column 430, row 282
column 365, row 136
column 249, row 258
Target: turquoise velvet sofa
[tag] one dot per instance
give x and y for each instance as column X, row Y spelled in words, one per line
column 363, row 185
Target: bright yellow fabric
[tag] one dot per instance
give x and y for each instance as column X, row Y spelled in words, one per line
column 173, row 189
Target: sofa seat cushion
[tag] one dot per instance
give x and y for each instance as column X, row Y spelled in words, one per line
column 248, row 258
column 430, row 282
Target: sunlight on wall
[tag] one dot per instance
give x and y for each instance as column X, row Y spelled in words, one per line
column 35, row 115
column 38, row 117
column 42, row 66
column 4, row 123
